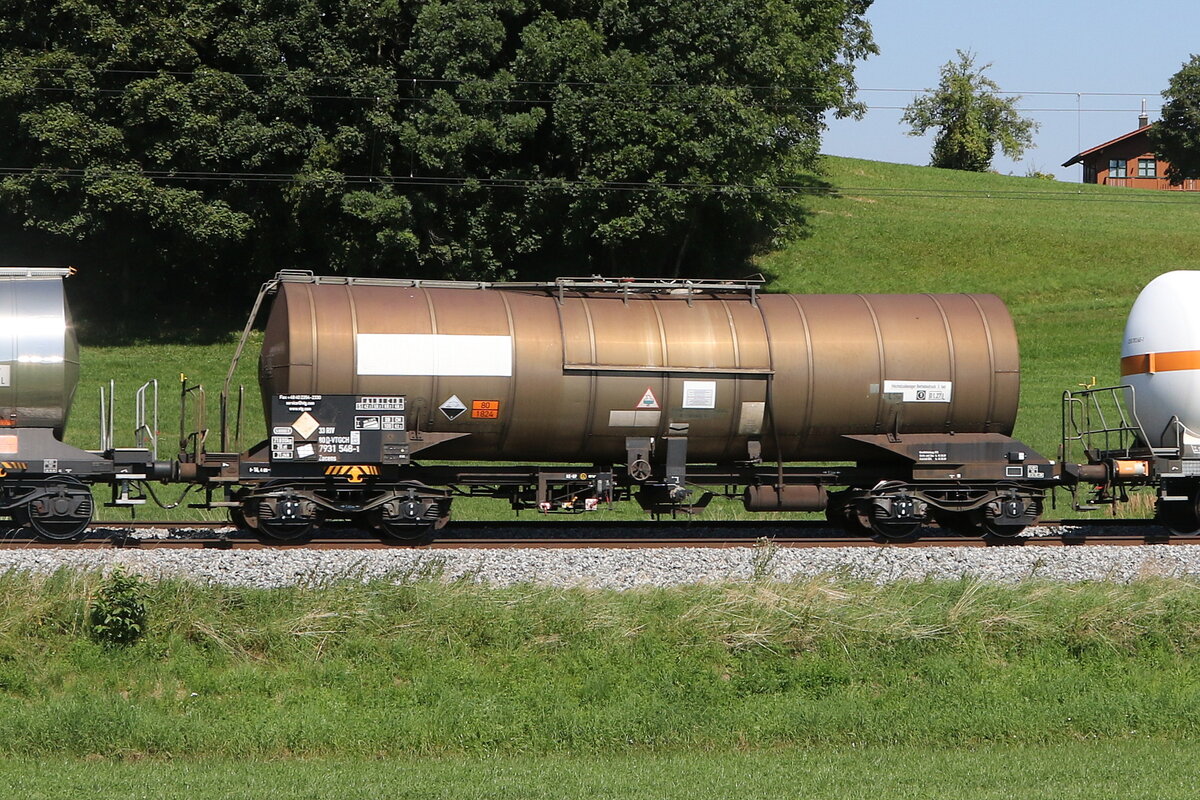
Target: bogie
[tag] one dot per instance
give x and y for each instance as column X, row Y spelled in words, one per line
column 56, row 509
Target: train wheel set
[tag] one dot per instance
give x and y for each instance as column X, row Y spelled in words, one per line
column 384, row 400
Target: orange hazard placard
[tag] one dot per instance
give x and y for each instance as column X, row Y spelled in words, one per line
column 485, row 409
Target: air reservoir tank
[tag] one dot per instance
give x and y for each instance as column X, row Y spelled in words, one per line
column 568, row 371
column 39, row 355
column 1160, row 359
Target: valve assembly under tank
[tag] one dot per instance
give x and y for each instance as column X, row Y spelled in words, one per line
column 574, row 370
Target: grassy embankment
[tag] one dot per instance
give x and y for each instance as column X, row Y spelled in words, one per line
column 1068, row 259
column 825, row 688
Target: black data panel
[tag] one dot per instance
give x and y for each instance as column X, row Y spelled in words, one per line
column 335, row 428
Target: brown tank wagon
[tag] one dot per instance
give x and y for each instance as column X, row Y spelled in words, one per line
column 385, row 397
column 573, row 374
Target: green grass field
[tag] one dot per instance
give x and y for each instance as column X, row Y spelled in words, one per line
column 824, row 688
column 1068, row 260
column 1158, row 770
column 434, row 668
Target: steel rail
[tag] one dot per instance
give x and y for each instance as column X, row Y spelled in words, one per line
column 613, row 535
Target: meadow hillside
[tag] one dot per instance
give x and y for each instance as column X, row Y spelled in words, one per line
column 1068, row 259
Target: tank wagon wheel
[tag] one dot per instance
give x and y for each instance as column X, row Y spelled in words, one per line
column 883, row 529
column 1181, row 516
column 895, row 532
column 286, row 518
column 410, row 521
column 1001, row 534
column 286, row 531
column 238, row 518
column 840, row 511
column 846, row 509
column 405, row 532
column 61, row 513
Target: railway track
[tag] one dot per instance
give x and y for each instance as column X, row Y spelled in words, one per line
column 543, row 535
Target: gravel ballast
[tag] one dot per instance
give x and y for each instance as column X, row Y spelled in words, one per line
column 619, row 568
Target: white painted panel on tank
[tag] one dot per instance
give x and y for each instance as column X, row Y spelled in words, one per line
column 435, row 354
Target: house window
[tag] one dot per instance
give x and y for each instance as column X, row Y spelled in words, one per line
column 1089, row 173
column 1116, row 168
column 1147, row 168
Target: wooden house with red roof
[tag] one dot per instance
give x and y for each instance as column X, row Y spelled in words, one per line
column 1129, row 160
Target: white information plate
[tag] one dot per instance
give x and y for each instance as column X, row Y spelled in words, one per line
column 699, row 394
column 920, row 391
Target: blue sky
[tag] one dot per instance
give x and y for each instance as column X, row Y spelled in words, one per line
column 1085, row 52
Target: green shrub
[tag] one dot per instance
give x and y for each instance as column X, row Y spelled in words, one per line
column 117, row 617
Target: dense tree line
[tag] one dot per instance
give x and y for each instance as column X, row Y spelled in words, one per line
column 180, row 148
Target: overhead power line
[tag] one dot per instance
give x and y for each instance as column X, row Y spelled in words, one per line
column 607, row 102
column 301, row 73
column 561, row 184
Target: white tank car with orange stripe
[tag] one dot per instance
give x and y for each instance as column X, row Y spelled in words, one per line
column 1160, row 359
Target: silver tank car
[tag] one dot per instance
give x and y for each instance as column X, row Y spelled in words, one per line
column 39, row 355
column 569, row 371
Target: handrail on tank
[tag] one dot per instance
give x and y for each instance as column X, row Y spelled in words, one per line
column 269, row 287
column 595, row 283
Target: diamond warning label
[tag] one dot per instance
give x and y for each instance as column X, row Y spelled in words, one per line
column 306, row 425
column 453, row 407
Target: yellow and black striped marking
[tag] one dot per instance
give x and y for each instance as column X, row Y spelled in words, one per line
column 12, row 466
column 353, row 473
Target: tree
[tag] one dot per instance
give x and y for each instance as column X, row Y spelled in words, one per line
column 1176, row 137
column 191, row 146
column 970, row 118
